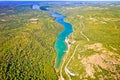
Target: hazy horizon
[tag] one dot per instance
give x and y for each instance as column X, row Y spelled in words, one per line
column 59, row 0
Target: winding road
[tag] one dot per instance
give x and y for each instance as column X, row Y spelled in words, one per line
column 66, row 70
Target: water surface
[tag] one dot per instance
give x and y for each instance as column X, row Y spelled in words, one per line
column 60, row 45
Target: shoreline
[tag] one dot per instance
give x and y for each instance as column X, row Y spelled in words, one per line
column 68, row 48
column 67, row 41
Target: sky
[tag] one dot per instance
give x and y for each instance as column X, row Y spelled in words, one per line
column 59, row 0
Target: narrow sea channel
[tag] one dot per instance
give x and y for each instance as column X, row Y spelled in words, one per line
column 60, row 45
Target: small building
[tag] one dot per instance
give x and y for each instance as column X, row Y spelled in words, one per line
column 34, row 20
column 35, row 7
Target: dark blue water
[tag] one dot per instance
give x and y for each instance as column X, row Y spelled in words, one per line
column 60, row 45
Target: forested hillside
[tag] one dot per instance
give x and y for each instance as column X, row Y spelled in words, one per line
column 27, row 40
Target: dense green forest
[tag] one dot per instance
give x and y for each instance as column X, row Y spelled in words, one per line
column 27, row 40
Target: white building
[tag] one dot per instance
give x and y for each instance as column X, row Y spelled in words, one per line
column 35, row 7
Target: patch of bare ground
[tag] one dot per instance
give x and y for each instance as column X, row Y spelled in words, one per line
column 102, row 59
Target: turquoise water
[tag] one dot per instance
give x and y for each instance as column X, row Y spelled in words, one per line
column 60, row 45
